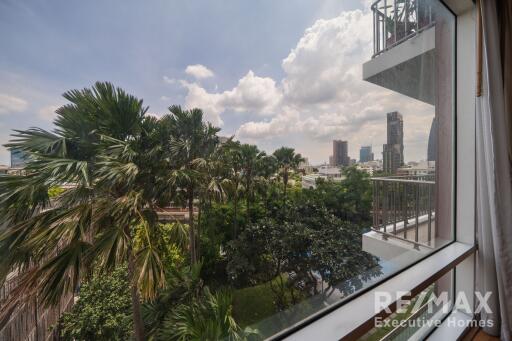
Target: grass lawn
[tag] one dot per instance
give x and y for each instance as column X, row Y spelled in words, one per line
column 253, row 304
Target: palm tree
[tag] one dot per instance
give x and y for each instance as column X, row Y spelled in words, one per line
column 191, row 142
column 267, row 168
column 287, row 161
column 107, row 153
column 207, row 319
column 234, row 182
column 251, row 159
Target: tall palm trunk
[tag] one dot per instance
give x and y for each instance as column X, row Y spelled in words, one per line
column 198, row 244
column 192, row 232
column 248, row 196
column 235, row 216
column 285, row 182
column 138, row 324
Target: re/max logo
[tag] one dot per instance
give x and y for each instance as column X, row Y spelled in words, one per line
column 383, row 301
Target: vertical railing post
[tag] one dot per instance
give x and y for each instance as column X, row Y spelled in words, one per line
column 416, row 5
column 406, row 213
column 406, row 17
column 374, row 203
column 374, row 31
column 384, row 206
column 394, row 186
column 385, row 24
column 429, row 213
column 395, row 20
column 417, row 213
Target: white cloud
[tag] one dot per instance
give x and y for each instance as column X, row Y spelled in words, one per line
column 253, row 94
column 169, row 80
column 199, row 71
column 164, row 98
column 152, row 114
column 48, row 113
column 11, row 104
column 322, row 95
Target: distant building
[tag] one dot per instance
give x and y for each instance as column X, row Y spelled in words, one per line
column 331, row 161
column 340, row 153
column 418, row 168
column 393, row 150
column 324, row 172
column 365, row 154
column 432, row 141
column 306, row 167
column 18, row 158
column 370, row 167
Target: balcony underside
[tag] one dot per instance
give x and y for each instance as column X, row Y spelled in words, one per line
column 407, row 68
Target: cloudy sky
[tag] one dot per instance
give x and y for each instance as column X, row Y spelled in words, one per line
column 270, row 72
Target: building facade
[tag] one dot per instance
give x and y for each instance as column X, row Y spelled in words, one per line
column 340, row 153
column 365, row 154
column 393, row 150
column 18, row 158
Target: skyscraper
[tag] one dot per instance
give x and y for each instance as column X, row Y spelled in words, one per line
column 340, row 153
column 393, row 150
column 365, row 154
column 432, row 141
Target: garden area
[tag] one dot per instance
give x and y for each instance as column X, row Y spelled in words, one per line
column 84, row 217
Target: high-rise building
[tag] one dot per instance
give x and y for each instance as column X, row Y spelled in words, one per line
column 393, row 150
column 18, row 158
column 365, row 154
column 432, row 141
column 340, row 153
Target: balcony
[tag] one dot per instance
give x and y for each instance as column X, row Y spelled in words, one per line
column 403, row 216
column 404, row 41
column 395, row 21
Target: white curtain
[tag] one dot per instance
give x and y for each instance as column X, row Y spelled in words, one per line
column 494, row 188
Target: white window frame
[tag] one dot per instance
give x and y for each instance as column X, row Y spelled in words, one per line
column 354, row 317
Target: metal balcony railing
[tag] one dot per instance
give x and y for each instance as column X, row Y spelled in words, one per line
column 404, row 208
column 395, row 21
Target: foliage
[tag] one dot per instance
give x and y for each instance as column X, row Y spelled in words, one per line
column 349, row 200
column 55, row 191
column 308, row 243
column 184, row 284
column 261, row 301
column 103, row 310
column 187, row 310
column 192, row 141
column 208, row 318
column 249, row 220
column 111, row 153
column 287, row 161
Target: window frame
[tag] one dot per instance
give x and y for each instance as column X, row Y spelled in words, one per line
column 463, row 192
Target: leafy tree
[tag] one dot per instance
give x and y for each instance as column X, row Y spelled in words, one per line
column 103, row 310
column 308, row 244
column 110, row 151
column 350, row 199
